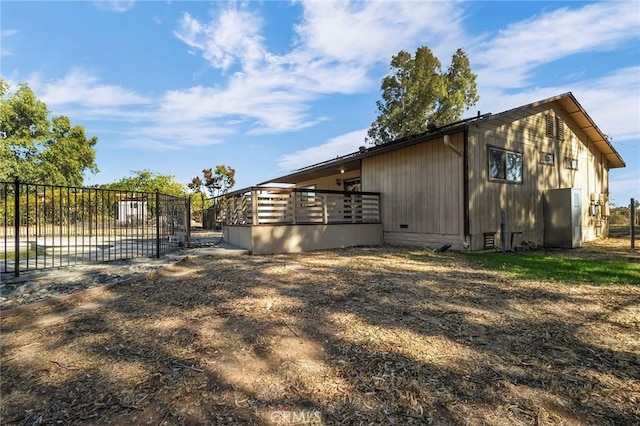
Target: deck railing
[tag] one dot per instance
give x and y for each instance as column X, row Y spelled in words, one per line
column 288, row 206
column 50, row 226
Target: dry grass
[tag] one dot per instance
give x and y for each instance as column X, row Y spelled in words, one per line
column 356, row 336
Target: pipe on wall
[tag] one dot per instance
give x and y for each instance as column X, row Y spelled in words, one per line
column 450, row 146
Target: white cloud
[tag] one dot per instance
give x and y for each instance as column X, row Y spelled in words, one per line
column 368, row 32
column 114, row 5
column 612, row 101
column 340, row 145
column 337, row 46
column 507, row 60
column 234, row 36
column 624, row 184
column 162, row 136
column 83, row 88
column 4, row 51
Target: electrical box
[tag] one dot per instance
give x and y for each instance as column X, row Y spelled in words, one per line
column 563, row 217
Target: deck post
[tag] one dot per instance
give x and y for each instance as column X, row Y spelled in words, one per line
column 353, row 208
column 254, row 207
column 294, row 201
column 325, row 211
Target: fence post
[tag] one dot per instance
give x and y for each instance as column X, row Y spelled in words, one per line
column 633, row 223
column 157, row 224
column 16, row 227
column 188, row 219
column 503, row 230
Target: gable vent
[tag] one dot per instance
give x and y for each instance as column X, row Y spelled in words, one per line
column 559, row 129
column 549, row 125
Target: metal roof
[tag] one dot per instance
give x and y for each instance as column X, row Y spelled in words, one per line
column 566, row 101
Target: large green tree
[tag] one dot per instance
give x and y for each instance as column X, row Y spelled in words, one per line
column 148, row 181
column 417, row 93
column 37, row 149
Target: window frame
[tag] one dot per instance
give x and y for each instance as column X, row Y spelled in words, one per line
column 506, row 152
column 352, row 182
column 544, row 156
column 569, row 163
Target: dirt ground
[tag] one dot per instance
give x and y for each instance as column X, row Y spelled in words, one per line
column 354, row 336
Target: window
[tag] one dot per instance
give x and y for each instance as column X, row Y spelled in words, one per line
column 547, row 158
column 505, row 166
column 571, row 163
column 352, row 185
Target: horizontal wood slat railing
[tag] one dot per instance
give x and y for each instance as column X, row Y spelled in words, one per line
column 288, row 206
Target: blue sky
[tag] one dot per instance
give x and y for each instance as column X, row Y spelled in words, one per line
column 268, row 87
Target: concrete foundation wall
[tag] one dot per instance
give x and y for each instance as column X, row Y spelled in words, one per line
column 265, row 239
column 424, row 240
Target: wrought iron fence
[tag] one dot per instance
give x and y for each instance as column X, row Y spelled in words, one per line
column 49, row 226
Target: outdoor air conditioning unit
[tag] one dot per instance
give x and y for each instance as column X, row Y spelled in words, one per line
column 563, row 218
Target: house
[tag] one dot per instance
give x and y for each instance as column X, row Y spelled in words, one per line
column 538, row 173
column 131, row 211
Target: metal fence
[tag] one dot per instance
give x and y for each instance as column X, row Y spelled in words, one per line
column 48, row 226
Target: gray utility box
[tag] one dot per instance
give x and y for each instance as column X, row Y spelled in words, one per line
column 562, row 218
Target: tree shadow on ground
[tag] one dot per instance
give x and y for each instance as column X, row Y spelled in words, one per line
column 344, row 337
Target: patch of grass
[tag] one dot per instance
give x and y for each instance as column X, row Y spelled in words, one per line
column 546, row 267
column 11, row 255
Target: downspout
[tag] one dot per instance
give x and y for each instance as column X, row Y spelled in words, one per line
column 445, row 138
column 465, row 208
column 465, row 180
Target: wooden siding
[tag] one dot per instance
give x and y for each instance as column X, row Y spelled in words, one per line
column 524, row 131
column 329, row 182
column 422, row 195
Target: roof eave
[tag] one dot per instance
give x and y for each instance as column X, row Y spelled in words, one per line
column 347, row 162
column 595, row 135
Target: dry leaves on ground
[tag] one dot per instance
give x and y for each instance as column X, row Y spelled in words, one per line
column 354, row 336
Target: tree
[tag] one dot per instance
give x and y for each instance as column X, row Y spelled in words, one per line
column 196, row 186
column 148, row 181
column 220, row 181
column 37, row 149
column 217, row 183
column 417, row 94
